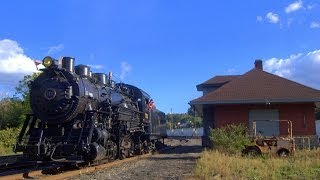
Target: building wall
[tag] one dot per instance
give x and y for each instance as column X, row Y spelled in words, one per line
column 231, row 114
column 208, row 118
column 301, row 115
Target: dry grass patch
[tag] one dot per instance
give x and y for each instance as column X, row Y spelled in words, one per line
column 214, row 164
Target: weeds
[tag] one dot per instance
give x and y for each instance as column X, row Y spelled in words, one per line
column 230, row 139
column 226, row 162
column 7, row 140
column 305, row 165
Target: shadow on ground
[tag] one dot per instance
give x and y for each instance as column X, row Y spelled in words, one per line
column 183, row 149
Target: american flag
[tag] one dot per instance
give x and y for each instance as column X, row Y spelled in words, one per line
column 37, row 62
column 151, row 104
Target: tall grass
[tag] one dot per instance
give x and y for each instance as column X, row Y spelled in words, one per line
column 7, row 140
column 213, row 164
column 225, row 160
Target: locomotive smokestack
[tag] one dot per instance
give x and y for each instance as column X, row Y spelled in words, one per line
column 68, row 63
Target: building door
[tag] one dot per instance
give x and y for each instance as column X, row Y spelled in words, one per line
column 265, row 128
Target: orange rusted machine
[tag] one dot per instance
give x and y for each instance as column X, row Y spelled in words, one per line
column 281, row 146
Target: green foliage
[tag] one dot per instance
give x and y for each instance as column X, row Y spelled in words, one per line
column 7, row 140
column 23, row 89
column 13, row 110
column 230, row 139
column 191, row 121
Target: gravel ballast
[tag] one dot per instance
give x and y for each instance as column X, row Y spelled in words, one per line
column 176, row 163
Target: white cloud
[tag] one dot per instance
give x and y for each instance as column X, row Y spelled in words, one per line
column 259, row 18
column 314, row 25
column 272, row 17
column 55, row 49
column 295, row 6
column 125, row 70
column 302, row 68
column 14, row 64
column 13, row 60
column 95, row 66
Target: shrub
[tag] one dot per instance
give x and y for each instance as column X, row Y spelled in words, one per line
column 8, row 139
column 230, row 139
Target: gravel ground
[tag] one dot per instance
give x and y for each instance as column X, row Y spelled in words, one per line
column 176, row 163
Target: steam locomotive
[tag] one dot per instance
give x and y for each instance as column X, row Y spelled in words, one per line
column 79, row 116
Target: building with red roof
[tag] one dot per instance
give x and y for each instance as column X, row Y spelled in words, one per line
column 254, row 96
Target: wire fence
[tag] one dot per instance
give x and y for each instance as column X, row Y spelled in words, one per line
column 188, row 132
column 306, row 142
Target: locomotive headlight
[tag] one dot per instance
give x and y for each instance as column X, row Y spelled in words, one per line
column 47, row 61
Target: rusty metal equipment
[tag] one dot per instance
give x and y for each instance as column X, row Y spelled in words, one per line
column 281, row 146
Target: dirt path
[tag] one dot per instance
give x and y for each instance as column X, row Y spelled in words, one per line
column 178, row 163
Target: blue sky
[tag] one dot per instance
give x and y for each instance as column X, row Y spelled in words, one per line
column 165, row 47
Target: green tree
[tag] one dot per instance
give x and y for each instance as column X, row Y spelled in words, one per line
column 23, row 89
column 184, row 118
column 13, row 110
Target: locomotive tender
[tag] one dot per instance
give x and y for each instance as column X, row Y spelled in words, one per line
column 83, row 117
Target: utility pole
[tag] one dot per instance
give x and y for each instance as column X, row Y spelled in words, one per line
column 171, row 120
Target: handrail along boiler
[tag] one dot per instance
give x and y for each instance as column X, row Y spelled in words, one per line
column 80, row 116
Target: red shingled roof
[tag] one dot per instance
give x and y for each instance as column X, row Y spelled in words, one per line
column 257, row 86
column 216, row 81
column 221, row 79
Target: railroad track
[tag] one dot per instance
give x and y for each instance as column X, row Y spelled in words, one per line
column 54, row 173
column 5, row 160
column 41, row 174
column 11, row 162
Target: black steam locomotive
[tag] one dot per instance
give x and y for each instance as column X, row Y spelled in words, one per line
column 83, row 117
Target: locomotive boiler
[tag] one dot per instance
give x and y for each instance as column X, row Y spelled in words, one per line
column 78, row 116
